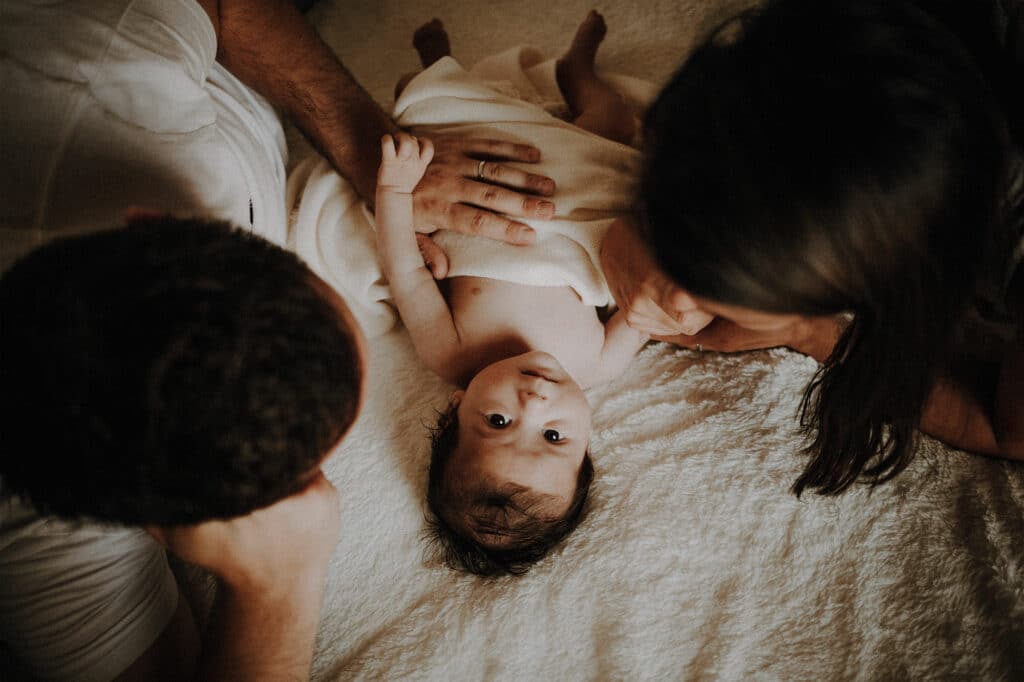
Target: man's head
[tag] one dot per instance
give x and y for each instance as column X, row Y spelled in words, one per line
column 170, row 372
column 510, row 467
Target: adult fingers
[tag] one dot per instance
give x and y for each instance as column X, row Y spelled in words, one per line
column 490, row 149
column 408, row 146
column 502, row 200
column 507, row 176
column 646, row 316
column 479, row 221
column 426, row 149
column 692, row 321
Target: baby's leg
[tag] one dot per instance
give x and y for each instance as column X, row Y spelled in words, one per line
column 431, row 42
column 594, row 105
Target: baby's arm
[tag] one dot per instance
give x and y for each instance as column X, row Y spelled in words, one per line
column 621, row 343
column 423, row 309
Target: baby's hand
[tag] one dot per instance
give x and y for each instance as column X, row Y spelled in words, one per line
column 403, row 160
column 434, row 257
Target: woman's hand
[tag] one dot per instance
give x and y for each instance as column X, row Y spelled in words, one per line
column 651, row 301
column 467, row 186
column 813, row 336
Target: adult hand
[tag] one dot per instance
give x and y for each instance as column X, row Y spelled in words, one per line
column 725, row 336
column 268, row 550
column 812, row 336
column 467, row 185
column 651, row 301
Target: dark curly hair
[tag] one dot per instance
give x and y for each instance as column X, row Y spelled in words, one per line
column 493, row 529
column 167, row 373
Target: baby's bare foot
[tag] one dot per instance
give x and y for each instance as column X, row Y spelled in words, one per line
column 594, row 105
column 575, row 69
column 583, row 49
column 431, row 41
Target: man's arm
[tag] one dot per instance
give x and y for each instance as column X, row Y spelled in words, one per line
column 424, row 311
column 270, row 46
column 175, row 653
column 271, row 566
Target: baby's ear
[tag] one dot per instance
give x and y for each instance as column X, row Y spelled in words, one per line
column 456, row 398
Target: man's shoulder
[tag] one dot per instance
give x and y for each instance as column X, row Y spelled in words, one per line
column 95, row 36
column 79, row 600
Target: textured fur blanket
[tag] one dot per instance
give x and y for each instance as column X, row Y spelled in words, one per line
column 693, row 561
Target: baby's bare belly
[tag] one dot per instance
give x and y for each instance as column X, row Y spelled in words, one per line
column 488, row 312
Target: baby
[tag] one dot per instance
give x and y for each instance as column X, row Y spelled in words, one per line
column 510, row 466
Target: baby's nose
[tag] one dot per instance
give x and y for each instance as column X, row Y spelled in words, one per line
column 532, row 394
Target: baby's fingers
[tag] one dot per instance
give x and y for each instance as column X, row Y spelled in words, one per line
column 433, row 256
column 426, row 150
column 408, row 147
column 387, row 148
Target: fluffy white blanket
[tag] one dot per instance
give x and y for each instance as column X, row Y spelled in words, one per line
column 693, row 561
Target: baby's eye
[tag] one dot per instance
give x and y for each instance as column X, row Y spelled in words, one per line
column 552, row 436
column 498, row 421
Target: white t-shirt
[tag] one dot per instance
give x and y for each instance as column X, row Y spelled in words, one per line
column 79, row 601
column 108, row 104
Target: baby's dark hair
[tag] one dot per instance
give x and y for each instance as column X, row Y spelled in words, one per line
column 511, row 517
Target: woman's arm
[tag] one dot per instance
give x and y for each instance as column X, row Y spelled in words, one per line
column 815, row 337
column 1009, row 408
column 984, row 411
column 971, row 418
column 423, row 309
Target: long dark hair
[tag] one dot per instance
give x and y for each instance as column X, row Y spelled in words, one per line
column 837, row 156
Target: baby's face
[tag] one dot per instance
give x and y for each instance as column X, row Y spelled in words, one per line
column 524, row 420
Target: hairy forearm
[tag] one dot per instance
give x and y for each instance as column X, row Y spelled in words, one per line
column 270, row 46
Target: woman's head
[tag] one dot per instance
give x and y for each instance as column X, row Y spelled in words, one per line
column 834, row 156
